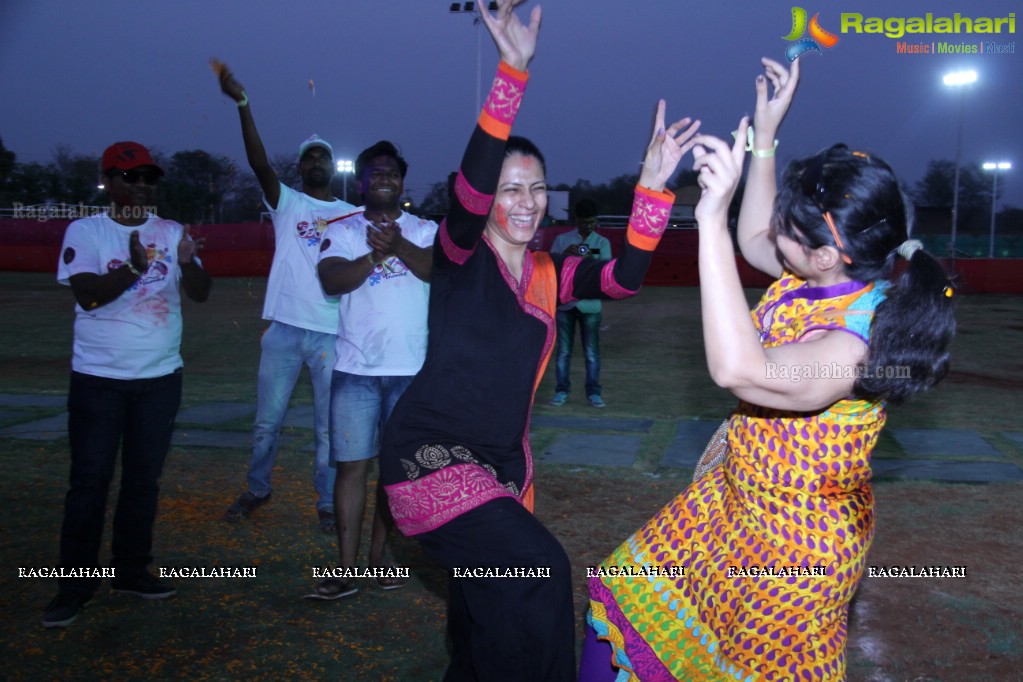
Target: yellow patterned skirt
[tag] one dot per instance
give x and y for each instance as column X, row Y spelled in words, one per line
column 748, row 573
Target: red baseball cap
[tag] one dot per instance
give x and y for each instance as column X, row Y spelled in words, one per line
column 126, row 156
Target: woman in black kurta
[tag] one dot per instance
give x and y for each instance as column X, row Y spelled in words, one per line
column 455, row 458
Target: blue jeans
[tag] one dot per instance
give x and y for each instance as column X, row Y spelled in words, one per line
column 589, row 328
column 359, row 409
column 285, row 349
column 137, row 416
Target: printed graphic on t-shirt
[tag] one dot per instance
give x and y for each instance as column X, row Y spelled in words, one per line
column 389, row 269
column 145, row 303
column 159, row 266
column 311, row 232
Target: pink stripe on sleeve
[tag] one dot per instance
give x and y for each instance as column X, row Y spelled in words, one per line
column 610, row 286
column 568, row 270
column 453, row 251
column 472, row 199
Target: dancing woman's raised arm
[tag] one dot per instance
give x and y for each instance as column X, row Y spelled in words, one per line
column 586, row 278
column 761, row 183
column 481, row 164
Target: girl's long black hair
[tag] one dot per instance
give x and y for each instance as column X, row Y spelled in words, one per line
column 859, row 194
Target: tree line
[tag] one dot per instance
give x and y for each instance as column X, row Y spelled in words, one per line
column 200, row 187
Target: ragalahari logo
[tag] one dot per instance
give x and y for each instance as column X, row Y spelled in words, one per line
column 818, row 36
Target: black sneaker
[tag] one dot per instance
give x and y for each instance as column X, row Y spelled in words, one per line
column 63, row 610
column 244, row 506
column 143, row 585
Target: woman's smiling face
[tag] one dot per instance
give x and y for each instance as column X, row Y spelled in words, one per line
column 521, row 201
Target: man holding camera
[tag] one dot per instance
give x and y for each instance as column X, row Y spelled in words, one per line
column 584, row 243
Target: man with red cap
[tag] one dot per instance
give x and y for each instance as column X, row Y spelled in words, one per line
column 124, row 268
column 303, row 320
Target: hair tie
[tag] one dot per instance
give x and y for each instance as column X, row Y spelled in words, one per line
column 909, row 247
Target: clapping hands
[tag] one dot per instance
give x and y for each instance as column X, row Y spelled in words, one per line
column 384, row 239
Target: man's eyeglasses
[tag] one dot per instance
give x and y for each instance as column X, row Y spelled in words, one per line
column 150, row 176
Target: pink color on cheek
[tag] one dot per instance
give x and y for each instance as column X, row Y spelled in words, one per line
column 501, row 217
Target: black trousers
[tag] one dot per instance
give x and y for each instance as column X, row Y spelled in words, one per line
column 104, row 415
column 505, row 629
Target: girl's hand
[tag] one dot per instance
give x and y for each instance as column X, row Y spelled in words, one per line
column 720, row 169
column 771, row 110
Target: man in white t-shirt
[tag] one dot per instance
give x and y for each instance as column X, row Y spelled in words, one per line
column 303, row 321
column 379, row 263
column 124, row 268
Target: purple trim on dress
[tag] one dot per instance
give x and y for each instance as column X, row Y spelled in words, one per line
column 640, row 654
column 470, row 198
column 567, row 284
column 505, row 97
column 820, row 293
column 832, row 291
column 453, row 251
column 429, row 502
column 610, row 286
column 766, row 316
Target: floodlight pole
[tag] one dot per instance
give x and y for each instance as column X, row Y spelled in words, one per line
column 955, row 184
column 958, row 79
column 994, row 168
column 471, row 8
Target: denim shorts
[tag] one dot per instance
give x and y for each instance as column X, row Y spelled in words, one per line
column 359, row 408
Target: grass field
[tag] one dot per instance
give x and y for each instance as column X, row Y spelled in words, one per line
column 261, row 629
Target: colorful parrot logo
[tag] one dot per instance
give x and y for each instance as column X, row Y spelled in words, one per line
column 818, row 36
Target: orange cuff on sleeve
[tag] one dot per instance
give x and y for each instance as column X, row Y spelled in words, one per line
column 649, row 217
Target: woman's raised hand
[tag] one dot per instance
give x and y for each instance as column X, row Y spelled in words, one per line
column 771, row 109
column 720, row 169
column 666, row 149
column 515, row 41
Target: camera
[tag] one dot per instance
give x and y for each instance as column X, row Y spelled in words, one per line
column 582, row 250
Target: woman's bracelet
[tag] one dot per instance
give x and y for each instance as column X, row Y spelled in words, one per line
column 761, row 153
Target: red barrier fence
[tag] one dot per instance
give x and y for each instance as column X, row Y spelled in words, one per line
column 246, row 250
column 235, row 250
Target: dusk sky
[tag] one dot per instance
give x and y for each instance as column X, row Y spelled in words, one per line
column 88, row 74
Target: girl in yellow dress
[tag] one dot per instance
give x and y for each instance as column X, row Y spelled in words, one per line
column 750, row 570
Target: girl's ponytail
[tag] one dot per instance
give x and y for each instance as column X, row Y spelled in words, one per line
column 912, row 331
